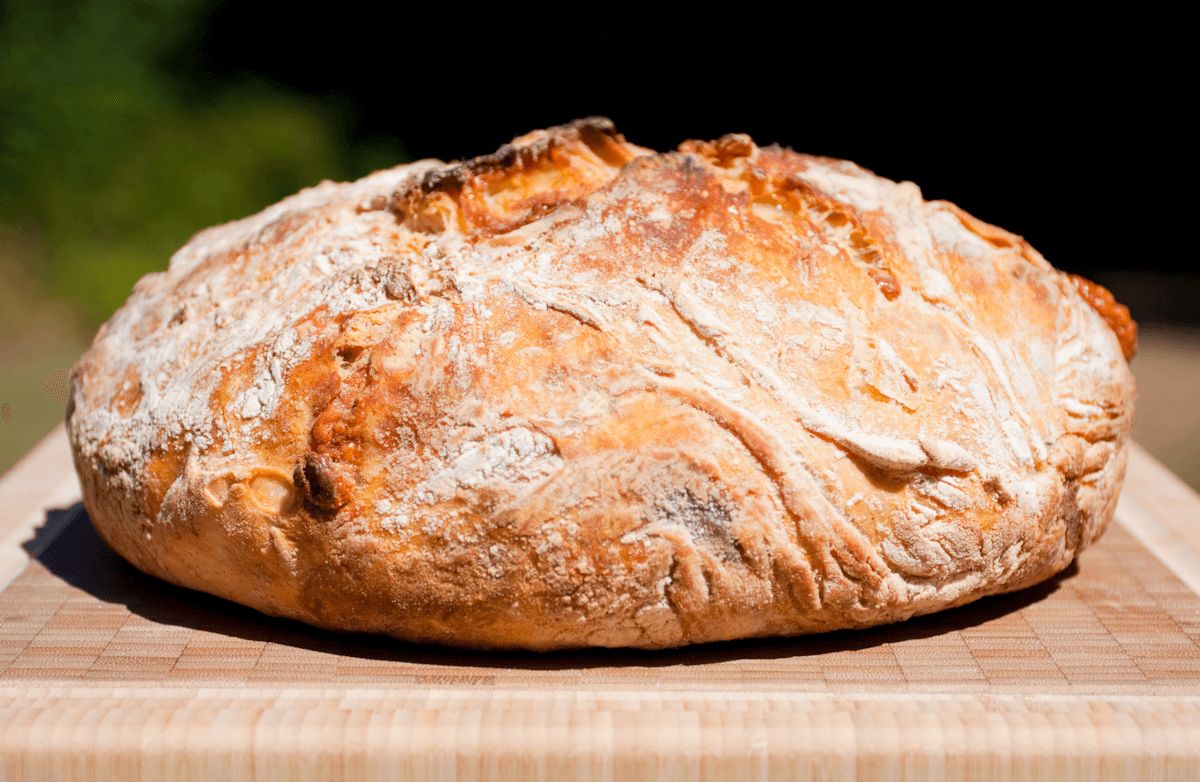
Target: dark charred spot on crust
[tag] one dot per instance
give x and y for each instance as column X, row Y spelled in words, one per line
column 347, row 355
column 317, row 484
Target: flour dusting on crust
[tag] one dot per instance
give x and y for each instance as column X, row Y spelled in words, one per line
column 578, row 392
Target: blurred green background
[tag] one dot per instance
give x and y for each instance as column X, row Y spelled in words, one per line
column 111, row 156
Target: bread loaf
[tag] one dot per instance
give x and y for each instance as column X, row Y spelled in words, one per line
column 580, row 393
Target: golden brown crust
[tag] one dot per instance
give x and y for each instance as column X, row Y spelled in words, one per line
column 1115, row 314
column 581, row 393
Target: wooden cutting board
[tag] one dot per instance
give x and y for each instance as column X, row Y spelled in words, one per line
column 105, row 672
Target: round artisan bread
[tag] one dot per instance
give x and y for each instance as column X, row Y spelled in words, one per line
column 579, row 393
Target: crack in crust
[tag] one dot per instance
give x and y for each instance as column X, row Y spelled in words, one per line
column 317, row 484
column 593, row 131
column 546, row 169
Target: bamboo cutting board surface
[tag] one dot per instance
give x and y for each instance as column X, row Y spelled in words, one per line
column 106, row 672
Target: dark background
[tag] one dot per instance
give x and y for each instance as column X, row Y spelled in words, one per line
column 1071, row 135
column 127, row 125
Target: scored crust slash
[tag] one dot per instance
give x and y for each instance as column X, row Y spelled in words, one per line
column 581, row 393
